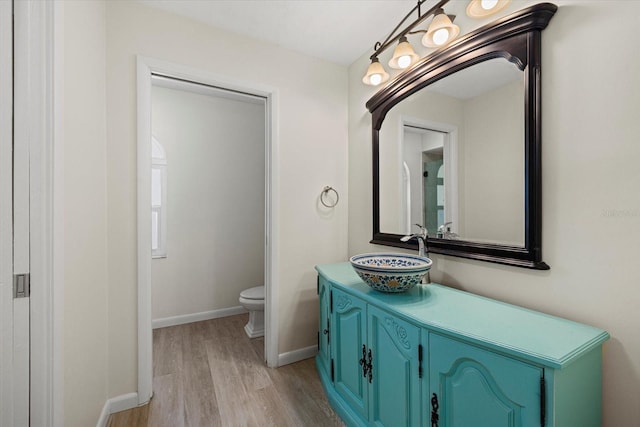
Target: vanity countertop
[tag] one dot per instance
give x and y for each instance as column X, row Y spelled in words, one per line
column 540, row 338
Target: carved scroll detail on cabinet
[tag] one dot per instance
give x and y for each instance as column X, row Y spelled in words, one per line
column 343, row 303
column 401, row 332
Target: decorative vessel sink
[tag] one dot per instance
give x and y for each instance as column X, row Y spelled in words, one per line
column 390, row 272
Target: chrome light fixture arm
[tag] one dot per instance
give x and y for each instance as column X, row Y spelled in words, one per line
column 394, row 36
column 441, row 31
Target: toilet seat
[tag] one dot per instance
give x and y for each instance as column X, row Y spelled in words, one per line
column 256, row 293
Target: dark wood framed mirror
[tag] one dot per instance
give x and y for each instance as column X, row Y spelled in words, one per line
column 487, row 220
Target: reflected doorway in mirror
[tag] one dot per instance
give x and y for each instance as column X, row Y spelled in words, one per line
column 428, row 178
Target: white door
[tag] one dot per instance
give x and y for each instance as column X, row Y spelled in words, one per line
column 14, row 238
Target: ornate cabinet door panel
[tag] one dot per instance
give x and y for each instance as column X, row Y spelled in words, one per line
column 475, row 387
column 324, row 327
column 348, row 336
column 395, row 386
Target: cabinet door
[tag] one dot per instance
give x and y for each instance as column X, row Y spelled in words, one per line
column 476, row 387
column 324, row 326
column 348, row 337
column 395, row 387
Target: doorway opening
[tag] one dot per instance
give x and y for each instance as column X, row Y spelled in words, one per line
column 433, row 188
column 205, row 217
column 429, row 184
column 207, row 201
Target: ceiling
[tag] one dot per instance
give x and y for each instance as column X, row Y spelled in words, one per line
column 339, row 31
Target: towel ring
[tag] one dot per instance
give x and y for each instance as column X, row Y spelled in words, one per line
column 325, row 191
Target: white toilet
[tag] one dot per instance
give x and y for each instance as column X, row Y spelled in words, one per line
column 252, row 299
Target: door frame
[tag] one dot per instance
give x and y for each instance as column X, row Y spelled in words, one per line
column 39, row 25
column 145, row 68
column 7, row 317
column 451, row 161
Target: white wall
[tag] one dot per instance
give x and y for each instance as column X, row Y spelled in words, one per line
column 215, row 150
column 312, row 143
column 493, row 165
column 590, row 206
column 85, row 219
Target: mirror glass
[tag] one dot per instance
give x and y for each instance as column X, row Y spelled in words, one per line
column 452, row 157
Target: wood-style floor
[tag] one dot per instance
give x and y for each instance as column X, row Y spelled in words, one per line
column 211, row 374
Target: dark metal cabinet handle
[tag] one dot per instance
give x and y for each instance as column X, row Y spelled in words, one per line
column 363, row 361
column 434, row 410
column 370, row 367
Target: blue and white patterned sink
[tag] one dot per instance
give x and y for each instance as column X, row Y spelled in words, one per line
column 390, row 272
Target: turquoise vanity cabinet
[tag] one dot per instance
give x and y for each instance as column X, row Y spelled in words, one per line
column 436, row 356
column 376, row 362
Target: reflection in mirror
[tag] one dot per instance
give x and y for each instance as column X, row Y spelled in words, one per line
column 423, row 177
column 452, row 157
column 423, row 150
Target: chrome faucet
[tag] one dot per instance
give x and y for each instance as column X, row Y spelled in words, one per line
column 422, row 240
column 422, row 247
column 444, row 231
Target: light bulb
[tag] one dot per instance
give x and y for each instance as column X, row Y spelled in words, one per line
column 403, row 55
column 483, row 8
column 375, row 73
column 440, row 36
column 488, row 4
column 404, row 61
column 441, row 30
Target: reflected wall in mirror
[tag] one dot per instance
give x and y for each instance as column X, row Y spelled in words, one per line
column 456, row 146
column 452, row 157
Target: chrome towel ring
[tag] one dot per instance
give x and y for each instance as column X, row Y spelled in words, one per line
column 325, row 192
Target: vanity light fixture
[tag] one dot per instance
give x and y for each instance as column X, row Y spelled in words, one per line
column 375, row 73
column 483, row 8
column 403, row 55
column 441, row 30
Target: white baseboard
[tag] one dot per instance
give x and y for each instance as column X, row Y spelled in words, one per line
column 117, row 404
column 196, row 317
column 104, row 415
column 297, row 355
